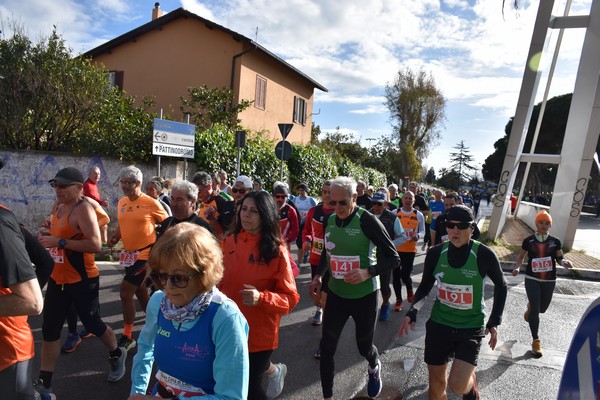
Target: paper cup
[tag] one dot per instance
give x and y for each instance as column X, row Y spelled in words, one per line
column 409, row 363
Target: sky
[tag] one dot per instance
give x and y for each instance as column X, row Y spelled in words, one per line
column 475, row 53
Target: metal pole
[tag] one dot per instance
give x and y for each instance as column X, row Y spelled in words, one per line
column 281, row 168
column 239, row 159
column 158, row 161
column 185, row 166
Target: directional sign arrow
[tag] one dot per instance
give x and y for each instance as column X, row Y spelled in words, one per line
column 157, row 136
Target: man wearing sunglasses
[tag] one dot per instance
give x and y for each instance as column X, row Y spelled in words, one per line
column 241, row 186
column 74, row 238
column 351, row 236
column 394, row 228
column 457, row 325
column 313, row 239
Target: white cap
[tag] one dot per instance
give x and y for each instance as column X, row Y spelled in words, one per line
column 246, row 181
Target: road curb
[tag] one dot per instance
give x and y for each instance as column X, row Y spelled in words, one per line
column 575, row 273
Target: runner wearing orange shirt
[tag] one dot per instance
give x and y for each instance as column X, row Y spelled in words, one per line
column 138, row 215
column 73, row 239
column 20, row 296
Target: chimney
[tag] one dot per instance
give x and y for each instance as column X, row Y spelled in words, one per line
column 156, row 11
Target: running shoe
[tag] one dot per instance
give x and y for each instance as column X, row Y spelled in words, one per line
column 384, row 312
column 410, row 296
column 117, row 366
column 44, row 396
column 317, row 318
column 424, row 247
column 317, row 353
column 474, row 392
column 526, row 314
column 42, row 392
column 374, row 385
column 127, row 343
column 275, row 381
column 85, row 334
column 398, row 305
column 71, row 343
column 536, row 347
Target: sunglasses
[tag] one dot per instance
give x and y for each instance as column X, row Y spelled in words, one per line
column 333, row 203
column 240, row 191
column 177, row 280
column 57, row 185
column 461, row 225
column 377, row 203
column 280, row 196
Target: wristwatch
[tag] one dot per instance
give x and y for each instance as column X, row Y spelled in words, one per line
column 62, row 243
column 372, row 270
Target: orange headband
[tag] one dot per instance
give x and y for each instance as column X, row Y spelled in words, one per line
column 543, row 216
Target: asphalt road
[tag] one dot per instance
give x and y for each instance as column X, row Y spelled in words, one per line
column 510, row 372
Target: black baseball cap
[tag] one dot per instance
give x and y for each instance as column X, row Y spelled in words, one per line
column 68, row 176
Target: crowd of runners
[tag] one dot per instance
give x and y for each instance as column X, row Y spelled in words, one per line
column 211, row 266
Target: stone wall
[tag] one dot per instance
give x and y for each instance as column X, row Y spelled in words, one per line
column 25, row 190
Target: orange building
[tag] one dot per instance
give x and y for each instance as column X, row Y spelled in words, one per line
column 179, row 49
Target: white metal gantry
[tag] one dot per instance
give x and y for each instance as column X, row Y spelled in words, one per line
column 582, row 130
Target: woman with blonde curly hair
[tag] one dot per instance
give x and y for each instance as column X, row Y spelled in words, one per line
column 198, row 337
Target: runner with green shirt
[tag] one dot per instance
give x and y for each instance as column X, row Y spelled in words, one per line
column 351, row 236
column 456, row 326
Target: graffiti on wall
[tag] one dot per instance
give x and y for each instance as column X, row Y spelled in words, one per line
column 25, row 188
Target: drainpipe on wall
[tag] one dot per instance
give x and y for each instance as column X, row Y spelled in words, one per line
column 233, row 60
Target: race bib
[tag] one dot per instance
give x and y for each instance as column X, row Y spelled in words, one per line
column 177, row 387
column 435, row 214
column 444, row 238
column 542, row 264
column 58, row 255
column 456, row 296
column 317, row 246
column 128, row 258
column 340, row 265
column 409, row 232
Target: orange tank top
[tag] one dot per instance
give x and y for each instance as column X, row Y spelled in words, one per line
column 70, row 266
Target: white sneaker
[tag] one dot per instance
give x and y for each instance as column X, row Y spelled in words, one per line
column 275, row 381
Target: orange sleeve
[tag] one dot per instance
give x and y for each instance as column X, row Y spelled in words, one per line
column 284, row 297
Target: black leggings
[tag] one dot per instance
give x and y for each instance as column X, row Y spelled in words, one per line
column 259, row 363
column 60, row 298
column 539, row 295
column 15, row 381
column 407, row 259
column 337, row 312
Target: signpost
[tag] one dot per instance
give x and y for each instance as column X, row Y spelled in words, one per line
column 173, row 139
column 283, row 149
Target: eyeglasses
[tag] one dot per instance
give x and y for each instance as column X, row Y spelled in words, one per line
column 240, row 191
column 280, row 196
column 460, row 225
column 377, row 203
column 333, row 203
column 57, row 185
column 177, row 280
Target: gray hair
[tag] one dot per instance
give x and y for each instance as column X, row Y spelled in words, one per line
column 346, row 183
column 202, row 178
column 393, row 186
column 186, row 186
column 131, row 172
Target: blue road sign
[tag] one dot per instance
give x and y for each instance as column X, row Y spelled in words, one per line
column 581, row 373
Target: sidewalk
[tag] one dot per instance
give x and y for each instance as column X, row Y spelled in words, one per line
column 511, row 238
